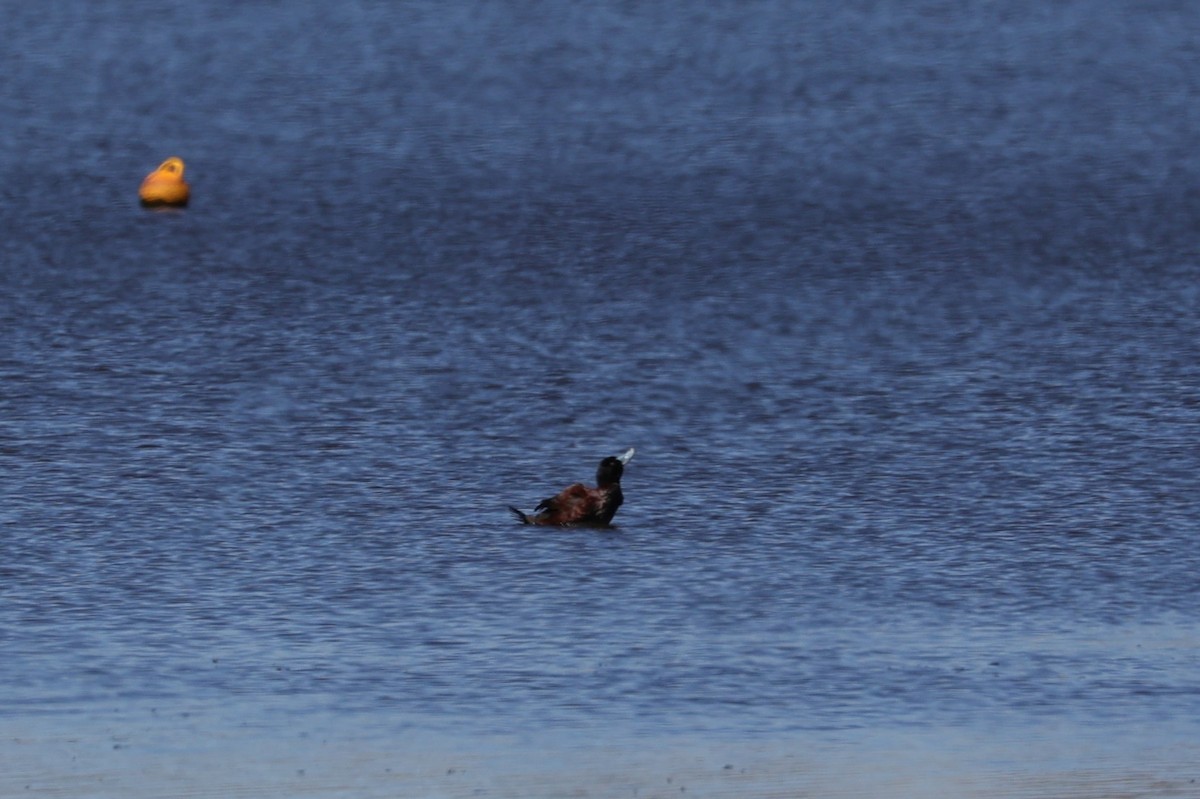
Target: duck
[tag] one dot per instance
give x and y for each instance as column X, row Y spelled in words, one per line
column 578, row 504
column 165, row 185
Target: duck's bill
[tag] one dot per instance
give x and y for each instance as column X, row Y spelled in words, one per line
column 627, row 457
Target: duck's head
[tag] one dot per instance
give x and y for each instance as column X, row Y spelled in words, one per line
column 612, row 467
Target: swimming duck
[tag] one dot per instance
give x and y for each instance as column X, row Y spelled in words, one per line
column 165, row 185
column 578, row 504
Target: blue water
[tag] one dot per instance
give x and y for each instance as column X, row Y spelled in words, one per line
column 897, row 302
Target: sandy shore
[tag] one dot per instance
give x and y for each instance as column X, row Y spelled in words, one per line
column 118, row 759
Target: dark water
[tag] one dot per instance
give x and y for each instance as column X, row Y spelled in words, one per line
column 897, row 302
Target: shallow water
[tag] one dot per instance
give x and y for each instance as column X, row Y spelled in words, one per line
column 898, row 306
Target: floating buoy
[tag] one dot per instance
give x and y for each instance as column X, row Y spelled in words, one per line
column 165, row 185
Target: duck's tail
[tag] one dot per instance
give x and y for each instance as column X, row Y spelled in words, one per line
column 521, row 517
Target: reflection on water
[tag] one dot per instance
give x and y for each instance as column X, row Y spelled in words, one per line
column 896, row 306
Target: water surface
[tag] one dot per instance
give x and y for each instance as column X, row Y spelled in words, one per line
column 898, row 306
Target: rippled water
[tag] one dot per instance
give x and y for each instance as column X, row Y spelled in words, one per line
column 898, row 305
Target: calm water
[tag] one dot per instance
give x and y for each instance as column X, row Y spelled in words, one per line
column 898, row 303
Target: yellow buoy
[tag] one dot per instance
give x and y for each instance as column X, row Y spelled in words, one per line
column 165, row 185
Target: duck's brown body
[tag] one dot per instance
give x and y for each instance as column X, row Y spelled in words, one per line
column 579, row 504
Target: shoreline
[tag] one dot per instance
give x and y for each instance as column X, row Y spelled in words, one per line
column 60, row 757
